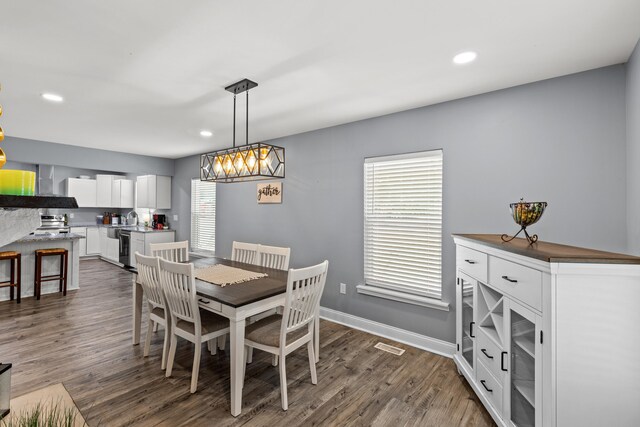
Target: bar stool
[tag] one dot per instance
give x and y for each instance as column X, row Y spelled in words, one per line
column 14, row 279
column 62, row 277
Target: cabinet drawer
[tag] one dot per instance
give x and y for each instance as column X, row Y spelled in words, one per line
column 490, row 354
column 490, row 387
column 518, row 281
column 209, row 304
column 472, row 262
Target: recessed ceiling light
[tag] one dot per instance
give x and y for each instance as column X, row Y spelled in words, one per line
column 52, row 97
column 206, row 133
column 465, row 57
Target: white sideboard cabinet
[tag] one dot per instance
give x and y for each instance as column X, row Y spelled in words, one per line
column 548, row 334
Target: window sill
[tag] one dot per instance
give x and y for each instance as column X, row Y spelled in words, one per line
column 201, row 254
column 402, row 297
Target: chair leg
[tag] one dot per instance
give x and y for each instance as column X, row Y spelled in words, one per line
column 155, row 327
column 213, row 346
column 61, row 271
column 244, row 365
column 66, row 272
column 222, row 342
column 37, row 278
column 196, row 366
column 250, row 355
column 12, row 278
column 147, row 340
column 172, row 354
column 312, row 362
column 283, row 384
column 274, row 360
column 19, row 279
column 165, row 346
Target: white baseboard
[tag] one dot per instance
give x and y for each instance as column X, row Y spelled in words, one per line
column 423, row 342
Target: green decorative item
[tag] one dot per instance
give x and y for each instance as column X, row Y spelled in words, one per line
column 525, row 214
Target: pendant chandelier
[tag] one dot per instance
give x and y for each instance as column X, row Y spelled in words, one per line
column 249, row 162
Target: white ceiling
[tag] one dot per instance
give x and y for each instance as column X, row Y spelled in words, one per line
column 146, row 76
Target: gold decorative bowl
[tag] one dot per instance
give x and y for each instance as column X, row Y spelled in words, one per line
column 527, row 213
column 17, row 182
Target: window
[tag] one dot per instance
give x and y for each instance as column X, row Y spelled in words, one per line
column 403, row 228
column 203, row 216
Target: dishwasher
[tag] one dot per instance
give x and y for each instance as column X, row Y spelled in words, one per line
column 124, row 236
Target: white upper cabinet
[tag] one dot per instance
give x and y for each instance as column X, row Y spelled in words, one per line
column 154, row 192
column 104, row 190
column 122, row 193
column 84, row 190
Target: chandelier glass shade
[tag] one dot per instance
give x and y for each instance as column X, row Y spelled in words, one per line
column 249, row 162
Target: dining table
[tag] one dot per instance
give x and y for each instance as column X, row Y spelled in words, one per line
column 237, row 302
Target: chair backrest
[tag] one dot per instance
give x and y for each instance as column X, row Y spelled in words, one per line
column 149, row 277
column 273, row 257
column 179, row 287
column 175, row 251
column 304, row 289
column 244, row 252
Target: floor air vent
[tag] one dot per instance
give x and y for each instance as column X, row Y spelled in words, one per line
column 389, row 349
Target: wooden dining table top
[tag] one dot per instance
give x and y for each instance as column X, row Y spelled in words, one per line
column 240, row 294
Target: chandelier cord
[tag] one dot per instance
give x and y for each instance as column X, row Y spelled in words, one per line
column 247, row 120
column 234, row 120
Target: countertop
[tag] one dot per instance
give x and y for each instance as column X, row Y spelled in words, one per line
column 551, row 252
column 49, row 237
column 135, row 228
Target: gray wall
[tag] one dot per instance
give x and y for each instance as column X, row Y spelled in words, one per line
column 633, row 151
column 560, row 141
column 47, row 153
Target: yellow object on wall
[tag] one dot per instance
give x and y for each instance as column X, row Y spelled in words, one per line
column 17, row 182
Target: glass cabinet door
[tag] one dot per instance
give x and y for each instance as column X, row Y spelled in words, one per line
column 468, row 290
column 525, row 366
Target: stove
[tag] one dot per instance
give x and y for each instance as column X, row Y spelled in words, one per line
column 52, row 224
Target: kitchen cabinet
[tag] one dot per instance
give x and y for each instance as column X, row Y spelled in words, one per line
column 102, row 231
column 93, row 241
column 82, row 243
column 113, row 250
column 153, row 192
column 141, row 242
column 535, row 326
column 122, row 193
column 104, row 191
column 84, row 190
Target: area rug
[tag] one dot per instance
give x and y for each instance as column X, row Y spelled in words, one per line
column 223, row 275
column 46, row 397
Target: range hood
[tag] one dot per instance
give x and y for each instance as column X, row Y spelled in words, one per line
column 53, row 202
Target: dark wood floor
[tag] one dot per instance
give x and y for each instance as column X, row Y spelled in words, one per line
column 84, row 341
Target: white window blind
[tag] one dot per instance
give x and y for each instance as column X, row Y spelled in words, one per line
column 203, row 216
column 403, row 223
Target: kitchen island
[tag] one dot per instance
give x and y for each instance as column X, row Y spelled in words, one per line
column 51, row 265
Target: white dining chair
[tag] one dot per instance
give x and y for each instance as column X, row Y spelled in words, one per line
column 174, row 251
column 187, row 320
column 244, row 252
column 273, row 257
column 282, row 334
column 149, row 277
